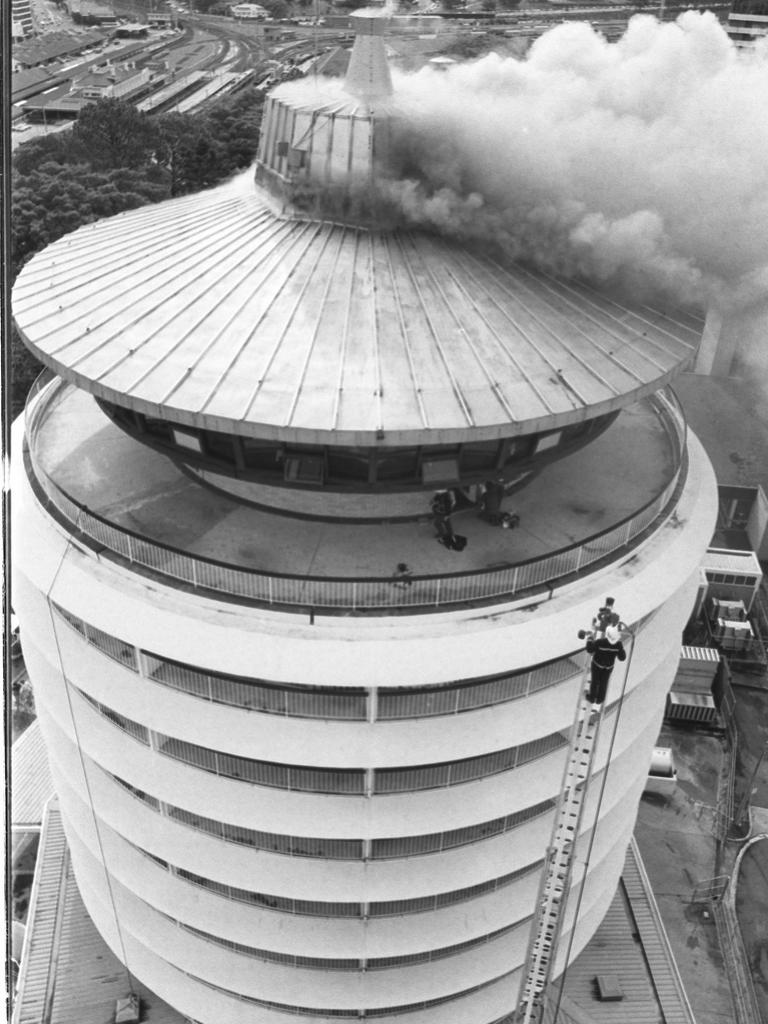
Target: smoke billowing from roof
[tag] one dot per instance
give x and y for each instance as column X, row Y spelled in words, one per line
column 641, row 164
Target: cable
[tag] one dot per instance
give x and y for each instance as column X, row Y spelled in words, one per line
column 601, row 794
column 82, row 764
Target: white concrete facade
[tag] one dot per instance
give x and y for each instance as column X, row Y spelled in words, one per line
column 300, row 910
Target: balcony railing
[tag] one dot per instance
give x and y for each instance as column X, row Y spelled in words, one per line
column 363, row 593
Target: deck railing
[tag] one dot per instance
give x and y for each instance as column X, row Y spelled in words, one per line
column 364, row 593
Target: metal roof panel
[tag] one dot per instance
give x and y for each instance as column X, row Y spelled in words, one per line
column 31, row 784
column 211, row 306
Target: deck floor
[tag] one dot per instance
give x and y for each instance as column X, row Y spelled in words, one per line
column 141, row 490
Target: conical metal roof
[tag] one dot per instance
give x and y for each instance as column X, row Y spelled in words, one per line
column 215, row 311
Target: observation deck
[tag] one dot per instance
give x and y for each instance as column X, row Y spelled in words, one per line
column 127, row 501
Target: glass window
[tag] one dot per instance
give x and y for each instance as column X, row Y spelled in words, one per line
column 187, row 439
column 518, row 448
column 158, row 428
column 219, row 445
column 262, row 454
column 348, row 463
column 397, row 464
column 549, row 441
column 479, row 455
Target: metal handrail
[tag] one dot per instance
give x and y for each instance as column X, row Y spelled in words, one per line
column 363, row 593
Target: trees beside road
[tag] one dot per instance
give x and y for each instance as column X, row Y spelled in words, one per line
column 117, row 158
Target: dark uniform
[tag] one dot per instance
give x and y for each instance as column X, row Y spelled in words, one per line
column 604, row 655
column 443, row 504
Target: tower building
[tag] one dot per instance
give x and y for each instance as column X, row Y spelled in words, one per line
column 22, row 19
column 308, row 758
column 747, row 22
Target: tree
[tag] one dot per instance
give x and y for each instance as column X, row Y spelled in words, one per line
column 235, row 123
column 115, row 159
column 177, row 135
column 57, row 198
column 56, row 147
column 112, row 133
column 276, row 9
column 24, row 368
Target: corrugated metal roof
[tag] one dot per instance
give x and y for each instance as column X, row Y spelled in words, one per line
column 216, row 312
column 658, row 954
column 699, row 654
column 681, row 698
column 725, row 560
column 631, row 944
column 612, row 950
column 68, row 973
column 36, row 985
column 31, row 784
column 55, row 44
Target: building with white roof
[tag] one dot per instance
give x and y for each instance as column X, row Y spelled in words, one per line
column 109, row 82
column 309, row 759
column 249, row 12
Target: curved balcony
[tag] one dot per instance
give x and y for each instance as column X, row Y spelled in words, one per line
column 56, row 446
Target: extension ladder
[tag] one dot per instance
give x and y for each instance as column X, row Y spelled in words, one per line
column 553, row 893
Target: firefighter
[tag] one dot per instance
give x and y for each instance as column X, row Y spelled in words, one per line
column 605, row 650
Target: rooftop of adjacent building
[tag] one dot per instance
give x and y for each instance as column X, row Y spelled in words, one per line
column 78, row 451
column 32, row 785
column 55, row 44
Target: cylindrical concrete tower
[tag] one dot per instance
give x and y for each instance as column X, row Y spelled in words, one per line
column 307, row 756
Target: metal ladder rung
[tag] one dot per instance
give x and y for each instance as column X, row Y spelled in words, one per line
column 556, row 876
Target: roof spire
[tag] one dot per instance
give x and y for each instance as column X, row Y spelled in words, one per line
column 368, row 76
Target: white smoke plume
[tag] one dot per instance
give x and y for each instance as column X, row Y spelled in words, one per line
column 641, row 164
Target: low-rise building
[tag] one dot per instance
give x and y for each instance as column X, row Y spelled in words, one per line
column 249, row 12
column 54, row 46
column 110, row 82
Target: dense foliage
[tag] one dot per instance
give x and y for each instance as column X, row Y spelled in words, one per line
column 116, row 158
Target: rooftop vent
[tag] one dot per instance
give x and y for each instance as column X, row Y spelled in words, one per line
column 320, row 153
column 609, row 988
column 368, row 77
column 127, row 1010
